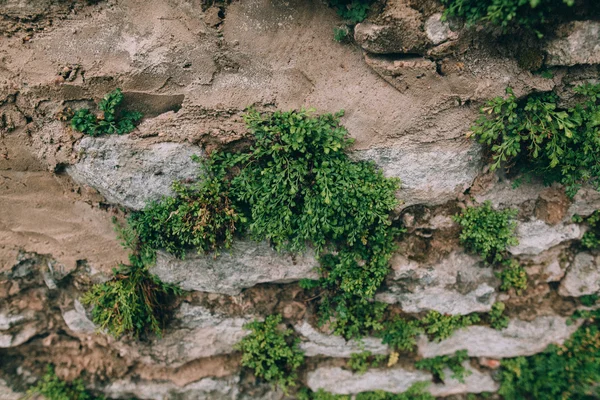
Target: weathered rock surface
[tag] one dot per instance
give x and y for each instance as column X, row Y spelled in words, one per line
column 438, row 31
column 16, row 329
column 520, row 338
column 195, row 333
column 430, row 174
column 577, row 43
column 536, row 236
column 585, row 202
column 396, row 380
column 583, row 276
column 130, row 174
column 459, row 284
column 7, row 393
column 246, row 264
column 315, row 343
column 77, row 320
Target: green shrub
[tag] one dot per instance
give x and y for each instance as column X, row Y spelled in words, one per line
column 589, row 300
column 132, row 302
column 560, row 145
column 513, row 276
column 496, row 316
column 436, row 366
column 200, row 216
column 401, row 334
column 54, row 388
column 415, row 392
column 271, row 352
column 354, row 11
column 350, row 316
column 111, row 122
column 570, row 371
column 529, row 14
column 361, row 362
column 440, row 326
column 486, row 231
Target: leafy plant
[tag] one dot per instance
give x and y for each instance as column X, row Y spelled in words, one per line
column 513, row 276
column 361, row 362
column 54, row 388
column 351, row 316
column 401, row 334
column 589, row 300
column 486, row 231
column 570, row 371
column 132, row 302
column 440, row 326
column 271, row 352
column 110, row 122
column 341, row 34
column 560, row 145
column 591, row 238
column 436, row 366
column 199, row 216
column 529, row 14
column 353, row 10
column 415, row 392
column 496, row 316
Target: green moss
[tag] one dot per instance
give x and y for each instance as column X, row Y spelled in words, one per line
column 271, row 352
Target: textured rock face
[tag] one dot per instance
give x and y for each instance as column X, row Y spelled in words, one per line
column 246, row 264
column 459, row 284
column 437, row 30
column 130, row 174
column 520, row 338
column 430, row 174
column 195, row 333
column 583, row 276
column 578, row 43
column 318, row 344
column 6, row 393
column 77, row 320
column 536, row 236
column 396, row 380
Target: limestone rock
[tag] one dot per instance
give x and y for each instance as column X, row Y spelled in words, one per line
column 585, row 202
column 129, row 174
column 430, row 174
column 437, row 30
column 194, row 333
column 520, row 338
column 16, row 329
column 339, row 381
column 246, row 264
column 536, row 236
column 6, row 393
column 397, row 380
column 577, row 43
column 583, row 276
column 459, row 284
column 77, row 320
column 319, row 344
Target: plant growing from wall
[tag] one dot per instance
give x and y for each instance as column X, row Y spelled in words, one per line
column 591, row 238
column 560, row 145
column 513, row 276
column 418, row 391
column 487, row 232
column 271, row 352
column 529, row 14
column 354, row 11
column 437, row 365
column 496, row 316
column 441, row 326
column 111, row 120
column 52, row 387
column 401, row 334
column 361, row 362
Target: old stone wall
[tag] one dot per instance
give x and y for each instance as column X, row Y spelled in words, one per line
column 410, row 86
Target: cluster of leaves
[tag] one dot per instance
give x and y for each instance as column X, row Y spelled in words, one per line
column 418, row 391
column 496, row 316
column 133, row 301
column 271, row 352
column 361, row 362
column 560, row 145
column 437, row 365
column 401, row 334
column 570, row 371
column 441, row 326
column 589, row 300
column 200, row 216
column 513, row 276
column 354, row 11
column 111, row 121
column 486, row 231
column 591, row 238
column 54, row 388
column 530, row 14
